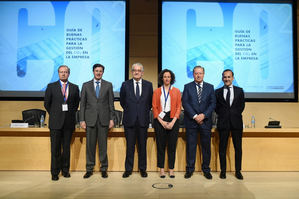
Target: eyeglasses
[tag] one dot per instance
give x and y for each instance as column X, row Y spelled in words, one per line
column 138, row 71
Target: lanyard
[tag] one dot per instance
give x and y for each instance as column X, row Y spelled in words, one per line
column 166, row 96
column 64, row 91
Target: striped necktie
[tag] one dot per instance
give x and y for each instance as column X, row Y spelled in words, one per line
column 199, row 92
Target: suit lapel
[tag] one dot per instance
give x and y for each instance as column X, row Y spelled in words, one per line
column 58, row 90
column 103, row 85
column 131, row 88
column 143, row 89
column 91, row 88
column 222, row 94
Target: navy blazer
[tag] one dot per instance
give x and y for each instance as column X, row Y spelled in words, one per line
column 230, row 114
column 193, row 107
column 53, row 103
column 136, row 109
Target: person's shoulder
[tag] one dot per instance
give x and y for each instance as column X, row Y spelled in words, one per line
column 88, row 82
column 237, row 87
column 175, row 89
column 157, row 90
column 218, row 89
column 52, row 84
column 106, row 82
column 146, row 82
column 72, row 84
column 208, row 84
column 189, row 84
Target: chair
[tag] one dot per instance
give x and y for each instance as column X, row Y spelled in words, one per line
column 32, row 116
column 118, row 116
column 214, row 119
column 181, row 119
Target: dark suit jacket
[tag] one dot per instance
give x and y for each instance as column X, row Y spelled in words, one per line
column 193, row 107
column 53, row 104
column 92, row 107
column 134, row 108
column 230, row 114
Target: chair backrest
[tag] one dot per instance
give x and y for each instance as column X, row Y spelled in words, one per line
column 32, row 116
column 181, row 119
column 118, row 117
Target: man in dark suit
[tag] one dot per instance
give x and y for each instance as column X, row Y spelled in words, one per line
column 61, row 102
column 229, row 107
column 199, row 102
column 136, row 100
column 96, row 116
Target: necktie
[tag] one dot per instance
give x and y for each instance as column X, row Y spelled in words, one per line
column 228, row 95
column 137, row 90
column 199, row 91
column 64, row 93
column 97, row 89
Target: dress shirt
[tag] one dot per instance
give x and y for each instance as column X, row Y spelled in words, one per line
column 197, row 88
column 165, row 108
column 67, row 89
column 95, row 84
column 140, row 86
column 231, row 99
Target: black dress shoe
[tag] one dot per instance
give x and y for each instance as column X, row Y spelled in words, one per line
column 127, row 174
column 222, row 175
column 143, row 174
column 55, row 177
column 66, row 175
column 188, row 174
column 172, row 176
column 162, row 176
column 88, row 174
column 104, row 174
column 208, row 175
column 239, row 175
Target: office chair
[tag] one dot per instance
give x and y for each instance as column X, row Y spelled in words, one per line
column 181, row 119
column 32, row 116
column 117, row 119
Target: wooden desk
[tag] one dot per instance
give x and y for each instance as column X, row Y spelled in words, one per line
column 263, row 150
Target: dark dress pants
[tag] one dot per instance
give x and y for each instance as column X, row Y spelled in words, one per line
column 60, row 160
column 237, row 141
column 132, row 134
column 205, row 142
column 166, row 137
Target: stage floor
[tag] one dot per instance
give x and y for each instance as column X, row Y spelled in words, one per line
column 38, row 185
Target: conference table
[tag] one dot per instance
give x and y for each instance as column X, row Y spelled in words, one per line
column 264, row 149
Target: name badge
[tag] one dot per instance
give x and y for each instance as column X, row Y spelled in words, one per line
column 162, row 114
column 64, row 107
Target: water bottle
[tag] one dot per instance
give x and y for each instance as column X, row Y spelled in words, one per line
column 42, row 121
column 252, row 122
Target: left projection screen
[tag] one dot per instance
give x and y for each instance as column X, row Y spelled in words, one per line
column 36, row 37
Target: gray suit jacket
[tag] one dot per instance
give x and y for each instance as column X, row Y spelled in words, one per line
column 92, row 108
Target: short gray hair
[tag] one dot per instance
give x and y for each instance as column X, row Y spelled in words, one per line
column 68, row 69
column 137, row 64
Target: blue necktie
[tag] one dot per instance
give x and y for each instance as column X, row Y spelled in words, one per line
column 97, row 89
column 137, row 90
column 199, row 91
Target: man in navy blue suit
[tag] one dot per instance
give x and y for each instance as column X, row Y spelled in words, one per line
column 229, row 107
column 199, row 102
column 136, row 100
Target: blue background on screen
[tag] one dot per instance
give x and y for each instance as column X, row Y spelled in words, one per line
column 34, row 42
column 212, row 35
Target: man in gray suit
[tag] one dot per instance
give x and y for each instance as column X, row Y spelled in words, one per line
column 96, row 116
